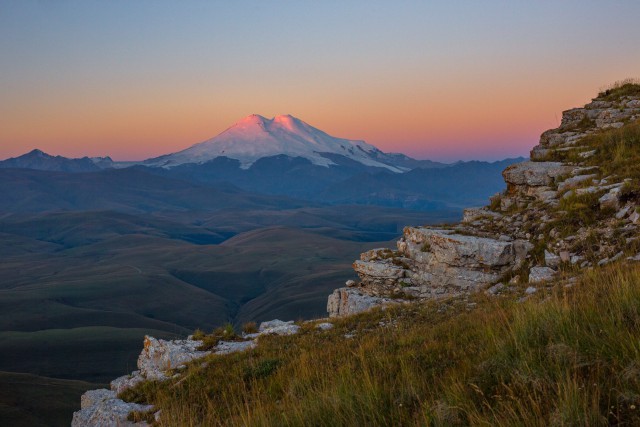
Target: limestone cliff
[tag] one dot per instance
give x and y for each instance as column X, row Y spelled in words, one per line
column 522, row 235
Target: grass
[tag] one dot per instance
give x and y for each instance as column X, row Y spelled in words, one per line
column 617, row 151
column 626, row 87
column 570, row 356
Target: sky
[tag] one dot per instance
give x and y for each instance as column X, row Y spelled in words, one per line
column 443, row 80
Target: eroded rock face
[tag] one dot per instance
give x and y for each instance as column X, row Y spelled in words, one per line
column 521, row 176
column 440, row 263
column 125, row 382
column 102, row 408
column 491, row 245
column 348, row 301
column 159, row 356
column 429, row 263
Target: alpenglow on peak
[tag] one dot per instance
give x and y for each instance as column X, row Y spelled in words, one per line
column 255, row 137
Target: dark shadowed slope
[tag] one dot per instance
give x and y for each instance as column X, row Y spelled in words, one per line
column 127, row 190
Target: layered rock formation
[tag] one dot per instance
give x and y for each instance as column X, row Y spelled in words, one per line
column 518, row 237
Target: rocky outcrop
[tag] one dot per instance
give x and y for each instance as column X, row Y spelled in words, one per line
column 347, row 301
column 160, row 356
column 428, row 263
column 103, row 408
column 161, row 360
column 492, row 246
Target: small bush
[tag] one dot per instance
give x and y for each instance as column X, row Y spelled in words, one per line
column 198, row 334
column 426, row 247
column 225, row 333
column 250, row 328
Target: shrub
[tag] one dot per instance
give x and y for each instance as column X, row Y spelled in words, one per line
column 250, row 328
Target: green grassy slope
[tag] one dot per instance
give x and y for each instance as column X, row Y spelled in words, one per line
column 566, row 356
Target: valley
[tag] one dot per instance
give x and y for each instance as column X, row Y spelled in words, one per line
column 97, row 254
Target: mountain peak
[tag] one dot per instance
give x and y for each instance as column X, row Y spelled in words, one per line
column 37, row 152
column 251, row 119
column 255, row 137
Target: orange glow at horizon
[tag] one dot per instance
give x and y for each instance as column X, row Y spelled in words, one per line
column 437, row 80
column 446, row 123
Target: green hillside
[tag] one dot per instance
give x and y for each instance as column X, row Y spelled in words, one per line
column 567, row 356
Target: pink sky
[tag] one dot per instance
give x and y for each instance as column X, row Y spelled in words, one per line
column 438, row 80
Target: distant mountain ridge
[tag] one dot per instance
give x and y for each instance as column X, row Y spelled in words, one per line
column 285, row 156
column 256, row 137
column 39, row 160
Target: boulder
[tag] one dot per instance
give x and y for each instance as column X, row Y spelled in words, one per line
column 459, row 250
column 610, row 200
column 541, row 274
column 278, row 327
column 348, row 301
column 125, row 382
column 574, row 182
column 102, row 408
column 533, row 174
column 378, row 269
column 324, row 326
column 551, row 260
column 159, row 356
column 228, row 347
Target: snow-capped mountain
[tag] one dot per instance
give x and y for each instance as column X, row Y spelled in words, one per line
column 256, row 137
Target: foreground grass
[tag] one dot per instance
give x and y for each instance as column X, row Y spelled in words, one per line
column 568, row 357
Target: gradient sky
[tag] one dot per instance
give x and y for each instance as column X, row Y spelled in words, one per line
column 443, row 80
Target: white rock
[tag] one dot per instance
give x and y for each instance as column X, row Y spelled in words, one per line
column 623, row 212
column 159, row 356
column 531, row 290
column 101, row 408
column 325, row 326
column 610, row 200
column 534, row 173
column 495, row 289
column 574, row 181
column 551, row 260
column 587, row 154
column 348, row 301
column 228, row 347
column 380, row 269
column 540, row 274
column 278, row 327
column 125, row 382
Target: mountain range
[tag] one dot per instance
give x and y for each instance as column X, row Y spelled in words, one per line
column 285, row 156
